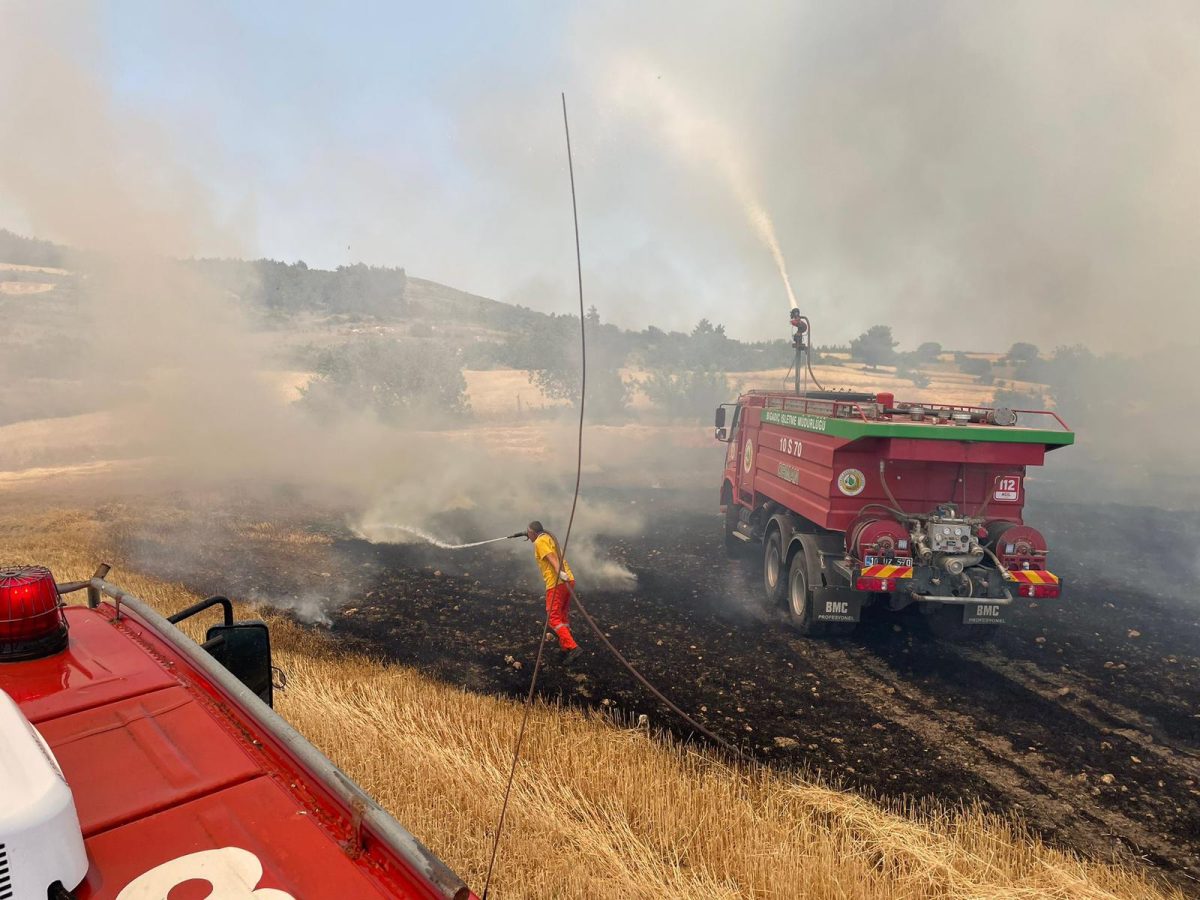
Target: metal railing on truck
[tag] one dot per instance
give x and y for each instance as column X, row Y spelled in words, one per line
column 853, row 409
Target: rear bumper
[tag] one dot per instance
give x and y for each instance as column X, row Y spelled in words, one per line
column 962, row 601
column 926, row 583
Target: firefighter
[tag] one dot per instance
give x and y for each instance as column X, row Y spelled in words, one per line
column 558, row 587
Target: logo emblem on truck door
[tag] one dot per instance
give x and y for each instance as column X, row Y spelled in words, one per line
column 748, row 457
column 851, row 482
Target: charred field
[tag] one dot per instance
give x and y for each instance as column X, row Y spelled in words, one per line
column 1081, row 717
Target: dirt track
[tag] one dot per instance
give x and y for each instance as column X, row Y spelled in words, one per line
column 1083, row 715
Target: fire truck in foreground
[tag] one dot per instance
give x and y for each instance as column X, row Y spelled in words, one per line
column 136, row 764
column 858, row 499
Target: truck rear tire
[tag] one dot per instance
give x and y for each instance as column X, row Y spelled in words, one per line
column 800, row 603
column 799, row 600
column 775, row 576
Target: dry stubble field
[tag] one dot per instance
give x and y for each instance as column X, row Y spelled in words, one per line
column 599, row 810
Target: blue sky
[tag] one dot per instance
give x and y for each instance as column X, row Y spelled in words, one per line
column 271, row 90
column 916, row 160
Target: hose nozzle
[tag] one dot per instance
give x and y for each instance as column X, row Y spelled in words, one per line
column 517, row 535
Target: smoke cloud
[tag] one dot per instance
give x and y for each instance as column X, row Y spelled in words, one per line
column 975, row 175
column 969, row 174
column 178, row 370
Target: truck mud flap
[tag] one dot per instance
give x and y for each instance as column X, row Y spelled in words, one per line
column 983, row 614
column 836, row 604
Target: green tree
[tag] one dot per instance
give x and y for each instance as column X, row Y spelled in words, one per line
column 1022, row 352
column 875, row 346
column 387, row 377
column 929, row 351
column 29, row 251
column 709, row 347
column 557, row 363
column 686, row 395
column 974, row 365
column 906, row 367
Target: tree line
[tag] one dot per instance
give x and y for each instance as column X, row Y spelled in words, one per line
column 284, row 289
column 684, row 374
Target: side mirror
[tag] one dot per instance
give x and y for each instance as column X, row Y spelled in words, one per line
column 722, row 435
column 244, row 649
column 719, row 421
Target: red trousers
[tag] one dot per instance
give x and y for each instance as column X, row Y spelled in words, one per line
column 558, row 605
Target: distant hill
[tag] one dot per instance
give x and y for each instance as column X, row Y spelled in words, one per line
column 289, row 288
column 30, row 251
column 490, row 333
column 436, row 302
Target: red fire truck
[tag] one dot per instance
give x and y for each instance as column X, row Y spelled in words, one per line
column 859, row 499
column 136, row 764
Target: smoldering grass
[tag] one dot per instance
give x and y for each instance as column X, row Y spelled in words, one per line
column 633, row 815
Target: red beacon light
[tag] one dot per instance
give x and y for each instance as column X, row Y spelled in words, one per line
column 32, row 622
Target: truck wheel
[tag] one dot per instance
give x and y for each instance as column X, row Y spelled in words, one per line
column 799, row 599
column 775, row 579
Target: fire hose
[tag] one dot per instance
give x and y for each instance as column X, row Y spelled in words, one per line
column 646, row 683
column 537, row 666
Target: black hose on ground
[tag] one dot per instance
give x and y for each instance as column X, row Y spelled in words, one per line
column 650, row 687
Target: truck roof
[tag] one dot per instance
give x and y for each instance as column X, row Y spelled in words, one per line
column 168, row 755
column 867, row 415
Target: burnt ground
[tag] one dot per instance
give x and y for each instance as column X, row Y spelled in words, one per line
column 1082, row 716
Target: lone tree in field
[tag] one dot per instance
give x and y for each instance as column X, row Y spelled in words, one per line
column 929, row 351
column 974, row 365
column 686, row 395
column 708, row 347
column 875, row 346
column 1022, row 352
column 558, row 370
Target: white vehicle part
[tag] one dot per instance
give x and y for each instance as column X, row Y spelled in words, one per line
column 40, row 838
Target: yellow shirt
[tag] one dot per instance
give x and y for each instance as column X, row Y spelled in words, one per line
column 543, row 546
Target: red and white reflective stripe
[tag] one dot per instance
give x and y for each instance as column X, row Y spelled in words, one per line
column 1031, row 576
column 884, row 571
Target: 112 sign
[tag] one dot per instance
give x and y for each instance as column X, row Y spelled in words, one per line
column 1008, row 489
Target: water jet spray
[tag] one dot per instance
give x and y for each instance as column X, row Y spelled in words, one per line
column 437, row 542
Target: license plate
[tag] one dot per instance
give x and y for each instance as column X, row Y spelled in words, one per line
column 880, row 561
column 983, row 614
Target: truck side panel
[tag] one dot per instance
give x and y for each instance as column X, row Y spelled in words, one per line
column 919, row 486
column 828, row 479
column 794, row 469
